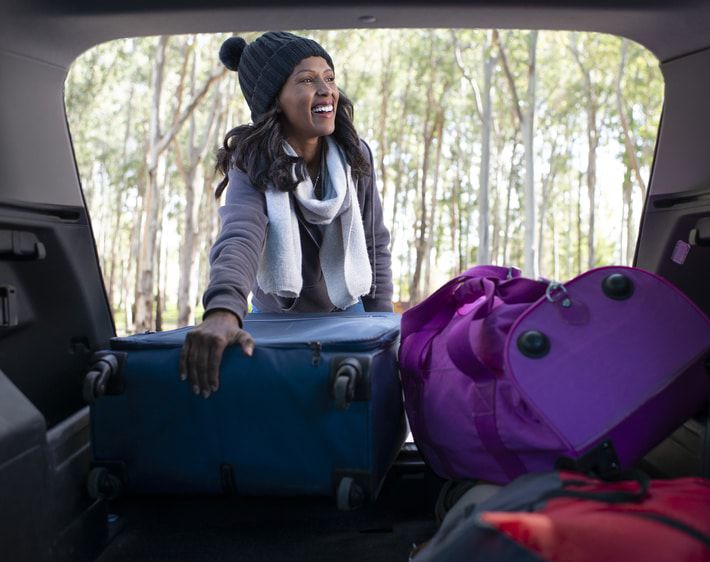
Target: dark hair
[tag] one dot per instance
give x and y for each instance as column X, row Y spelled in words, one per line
column 257, row 150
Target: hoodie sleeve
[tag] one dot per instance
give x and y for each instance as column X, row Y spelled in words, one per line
column 378, row 241
column 234, row 257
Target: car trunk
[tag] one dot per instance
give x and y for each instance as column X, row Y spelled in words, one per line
column 274, row 529
column 54, row 314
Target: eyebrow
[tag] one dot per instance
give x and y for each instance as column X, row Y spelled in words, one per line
column 313, row 70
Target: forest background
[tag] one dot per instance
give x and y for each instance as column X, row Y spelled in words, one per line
column 519, row 148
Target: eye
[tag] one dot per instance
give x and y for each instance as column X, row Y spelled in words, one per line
column 307, row 81
column 330, row 78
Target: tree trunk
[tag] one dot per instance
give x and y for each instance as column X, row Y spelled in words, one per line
column 592, row 136
column 190, row 172
column 529, row 256
column 591, row 109
column 399, row 166
column 143, row 319
column 569, row 247
column 509, row 191
column 629, row 233
column 496, row 209
column 157, row 144
column 482, row 106
column 579, row 225
column 548, row 184
column 431, row 261
column 555, row 252
column 188, row 249
column 526, row 120
column 484, row 243
column 384, row 114
column 118, row 206
column 629, row 144
column 159, row 287
column 420, row 242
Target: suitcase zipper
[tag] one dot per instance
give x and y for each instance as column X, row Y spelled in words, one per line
column 316, row 349
column 157, row 341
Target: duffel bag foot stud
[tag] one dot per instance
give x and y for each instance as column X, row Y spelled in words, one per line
column 618, row 286
column 349, row 495
column 534, row 344
column 101, row 484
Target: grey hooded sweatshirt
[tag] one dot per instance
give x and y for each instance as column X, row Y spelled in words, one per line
column 234, row 257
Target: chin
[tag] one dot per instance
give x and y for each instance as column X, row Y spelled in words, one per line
column 326, row 132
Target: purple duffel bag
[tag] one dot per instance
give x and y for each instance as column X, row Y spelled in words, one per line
column 503, row 375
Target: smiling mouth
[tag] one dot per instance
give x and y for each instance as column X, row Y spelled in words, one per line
column 325, row 108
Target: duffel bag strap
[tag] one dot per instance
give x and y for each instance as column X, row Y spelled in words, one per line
column 464, row 358
column 461, row 351
column 607, row 496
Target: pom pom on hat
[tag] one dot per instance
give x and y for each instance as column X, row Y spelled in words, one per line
column 231, row 52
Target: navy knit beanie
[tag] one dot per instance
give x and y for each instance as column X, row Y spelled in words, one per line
column 265, row 64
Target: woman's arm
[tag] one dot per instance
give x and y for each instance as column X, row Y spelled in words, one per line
column 378, row 242
column 234, row 259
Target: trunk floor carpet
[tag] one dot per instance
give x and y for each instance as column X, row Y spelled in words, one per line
column 151, row 529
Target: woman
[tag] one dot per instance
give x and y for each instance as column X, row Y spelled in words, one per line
column 302, row 225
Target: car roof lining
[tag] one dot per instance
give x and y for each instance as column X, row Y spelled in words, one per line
column 59, row 31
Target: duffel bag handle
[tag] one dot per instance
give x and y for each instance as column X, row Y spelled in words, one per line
column 435, row 311
column 433, row 314
column 460, row 347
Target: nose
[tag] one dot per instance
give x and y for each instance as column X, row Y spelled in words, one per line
column 323, row 88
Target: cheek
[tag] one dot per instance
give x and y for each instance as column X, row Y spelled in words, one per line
column 298, row 107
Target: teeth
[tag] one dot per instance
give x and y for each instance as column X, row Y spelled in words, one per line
column 323, row 108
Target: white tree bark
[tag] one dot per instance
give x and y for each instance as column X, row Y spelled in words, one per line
column 157, row 143
column 530, row 265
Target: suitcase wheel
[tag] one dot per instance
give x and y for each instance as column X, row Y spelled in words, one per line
column 349, row 494
column 96, row 380
column 343, row 391
column 346, row 377
column 89, row 390
column 101, row 484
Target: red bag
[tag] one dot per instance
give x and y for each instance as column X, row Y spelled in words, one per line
column 568, row 517
column 671, row 523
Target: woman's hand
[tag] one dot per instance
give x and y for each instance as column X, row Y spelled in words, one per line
column 204, row 346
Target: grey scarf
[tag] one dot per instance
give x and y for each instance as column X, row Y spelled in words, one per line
column 343, row 252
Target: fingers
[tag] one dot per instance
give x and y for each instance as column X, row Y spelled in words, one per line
column 213, row 363
column 184, row 356
column 246, row 342
column 191, row 350
column 202, row 353
column 203, row 359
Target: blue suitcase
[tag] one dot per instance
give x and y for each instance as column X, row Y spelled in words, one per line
column 316, row 410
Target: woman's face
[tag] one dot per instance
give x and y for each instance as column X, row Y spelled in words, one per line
column 308, row 100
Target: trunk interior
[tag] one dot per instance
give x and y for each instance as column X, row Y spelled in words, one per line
column 54, row 312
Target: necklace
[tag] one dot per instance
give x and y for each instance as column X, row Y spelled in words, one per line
column 317, row 187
